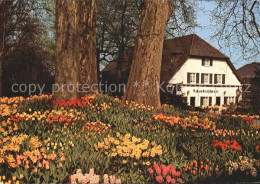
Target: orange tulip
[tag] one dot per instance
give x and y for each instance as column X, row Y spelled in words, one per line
column 206, row 167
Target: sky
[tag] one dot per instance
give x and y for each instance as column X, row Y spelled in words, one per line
column 203, row 19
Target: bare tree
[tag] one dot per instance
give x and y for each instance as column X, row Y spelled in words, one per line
column 237, row 26
column 21, row 27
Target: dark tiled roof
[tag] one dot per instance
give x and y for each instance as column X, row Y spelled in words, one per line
column 193, row 45
column 248, row 71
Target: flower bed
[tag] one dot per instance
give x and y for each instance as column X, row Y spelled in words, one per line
column 45, row 142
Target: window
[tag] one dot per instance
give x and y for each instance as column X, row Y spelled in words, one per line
column 205, row 101
column 173, row 58
column 229, row 100
column 206, row 78
column 218, row 79
column 207, row 62
column 192, row 77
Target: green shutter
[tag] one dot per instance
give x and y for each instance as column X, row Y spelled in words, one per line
column 197, row 78
column 210, row 100
column 223, row 79
column 188, row 77
column 210, row 78
column 215, row 79
column 201, row 100
column 203, row 61
column 202, row 78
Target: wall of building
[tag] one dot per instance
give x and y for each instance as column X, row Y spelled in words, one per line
column 194, row 65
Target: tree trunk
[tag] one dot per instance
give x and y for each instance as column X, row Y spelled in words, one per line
column 67, row 49
column 144, row 78
column 76, row 62
column 87, row 36
column 4, row 6
column 121, row 51
column 1, row 75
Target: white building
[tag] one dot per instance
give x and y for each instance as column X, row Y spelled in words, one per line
column 204, row 75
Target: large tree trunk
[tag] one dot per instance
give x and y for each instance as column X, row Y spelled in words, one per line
column 67, row 49
column 87, row 36
column 144, row 78
column 75, row 47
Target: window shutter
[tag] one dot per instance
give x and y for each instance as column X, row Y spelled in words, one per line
column 203, row 61
column 202, row 78
column 223, row 79
column 210, row 78
column 188, row 77
column 215, row 79
column 201, row 101
column 197, row 78
column 211, row 62
column 225, row 100
column 210, row 100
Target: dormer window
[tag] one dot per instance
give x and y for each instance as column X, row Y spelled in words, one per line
column 207, row 62
column 173, row 58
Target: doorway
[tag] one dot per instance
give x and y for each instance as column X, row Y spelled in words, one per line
column 218, row 101
column 192, row 101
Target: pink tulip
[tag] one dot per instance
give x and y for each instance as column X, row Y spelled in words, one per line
column 158, row 171
column 164, row 172
column 159, row 179
column 179, row 179
column 168, row 179
column 156, row 166
column 173, row 181
column 173, row 171
column 150, row 170
column 177, row 174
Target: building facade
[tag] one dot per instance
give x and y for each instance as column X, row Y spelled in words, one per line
column 206, row 82
column 199, row 72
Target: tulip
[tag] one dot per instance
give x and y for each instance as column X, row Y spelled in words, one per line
column 47, row 166
column 26, row 166
column 35, row 169
column 173, row 181
column 18, row 162
column 40, row 165
column 168, row 179
column 177, row 174
column 159, row 179
column 150, row 170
